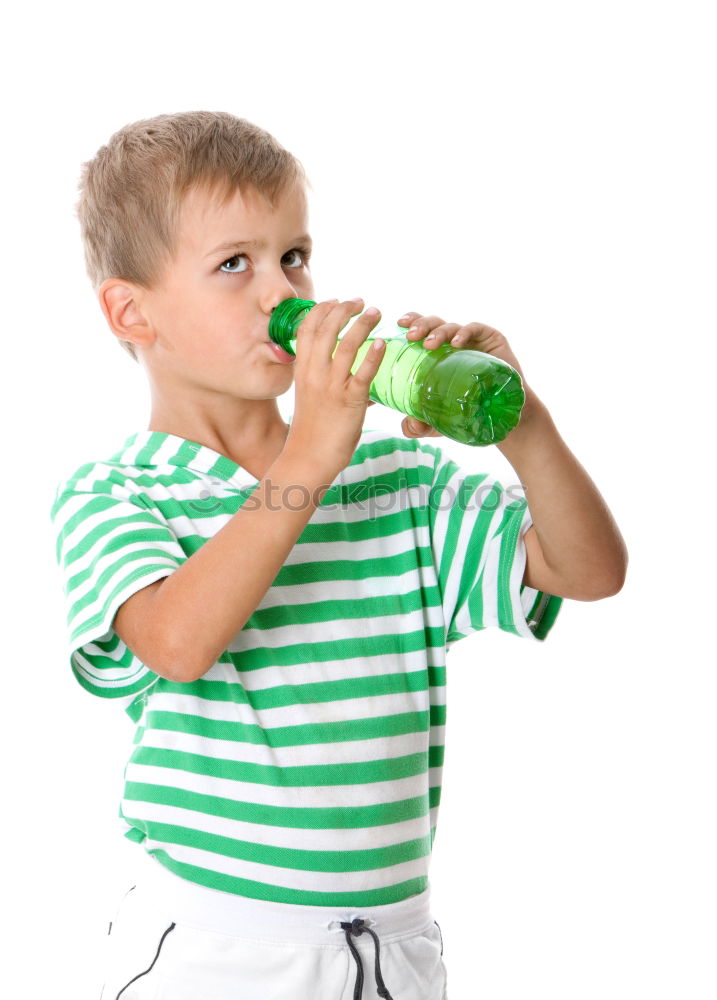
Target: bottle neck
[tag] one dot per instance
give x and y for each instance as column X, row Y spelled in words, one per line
column 285, row 321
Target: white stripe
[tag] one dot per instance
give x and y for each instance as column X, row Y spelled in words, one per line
column 295, row 797
column 301, row 797
column 316, row 671
column 301, row 755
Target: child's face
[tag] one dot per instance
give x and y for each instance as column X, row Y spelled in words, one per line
column 210, row 312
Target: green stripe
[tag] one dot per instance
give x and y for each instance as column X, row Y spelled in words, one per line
column 415, row 557
column 223, row 468
column 146, row 454
column 307, row 776
column 331, row 651
column 470, row 587
column 292, row 736
column 333, row 818
column 321, row 691
column 340, row 862
column 309, row 612
column 277, row 894
column 510, row 529
column 220, row 691
column 185, row 454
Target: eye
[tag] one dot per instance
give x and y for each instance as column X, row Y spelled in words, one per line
column 302, row 253
column 229, row 260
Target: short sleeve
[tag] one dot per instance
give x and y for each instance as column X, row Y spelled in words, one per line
column 477, row 538
column 108, row 547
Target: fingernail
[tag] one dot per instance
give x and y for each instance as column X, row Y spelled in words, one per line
column 412, row 329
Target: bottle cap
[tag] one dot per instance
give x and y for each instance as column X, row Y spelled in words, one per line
column 285, row 318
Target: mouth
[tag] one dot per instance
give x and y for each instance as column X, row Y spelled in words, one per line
column 280, row 354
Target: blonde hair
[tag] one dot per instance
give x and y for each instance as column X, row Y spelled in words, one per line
column 131, row 191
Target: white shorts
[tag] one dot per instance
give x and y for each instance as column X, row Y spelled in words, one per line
column 174, row 940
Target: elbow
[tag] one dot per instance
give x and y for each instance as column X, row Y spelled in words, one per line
column 610, row 580
column 177, row 674
column 174, row 661
column 183, row 670
column 619, row 574
column 598, row 588
column 181, row 674
column 600, row 593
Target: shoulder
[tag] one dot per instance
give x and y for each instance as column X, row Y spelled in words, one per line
column 107, row 478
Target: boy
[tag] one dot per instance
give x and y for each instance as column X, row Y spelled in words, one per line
column 278, row 640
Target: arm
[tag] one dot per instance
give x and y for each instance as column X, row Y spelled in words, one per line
column 574, row 548
column 180, row 625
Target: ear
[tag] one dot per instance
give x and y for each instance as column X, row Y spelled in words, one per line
column 120, row 302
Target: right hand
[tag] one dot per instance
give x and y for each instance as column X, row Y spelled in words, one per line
column 330, row 402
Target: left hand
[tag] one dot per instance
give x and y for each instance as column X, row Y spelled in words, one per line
column 435, row 332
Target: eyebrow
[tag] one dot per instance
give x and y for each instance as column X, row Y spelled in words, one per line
column 259, row 244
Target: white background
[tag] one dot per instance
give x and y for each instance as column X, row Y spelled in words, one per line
column 546, row 168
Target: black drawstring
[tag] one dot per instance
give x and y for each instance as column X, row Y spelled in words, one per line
column 358, row 927
column 139, row 976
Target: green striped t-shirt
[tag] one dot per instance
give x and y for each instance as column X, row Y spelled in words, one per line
column 305, row 766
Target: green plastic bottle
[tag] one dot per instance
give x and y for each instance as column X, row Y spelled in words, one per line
column 469, row 396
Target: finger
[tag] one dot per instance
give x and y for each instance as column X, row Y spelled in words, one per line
column 407, row 318
column 440, row 335
column 421, row 326
column 479, row 335
column 329, row 326
column 311, row 323
column 345, row 354
column 413, row 428
column 360, row 382
column 317, row 314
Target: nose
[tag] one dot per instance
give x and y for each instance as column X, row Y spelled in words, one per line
column 276, row 288
column 278, row 301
